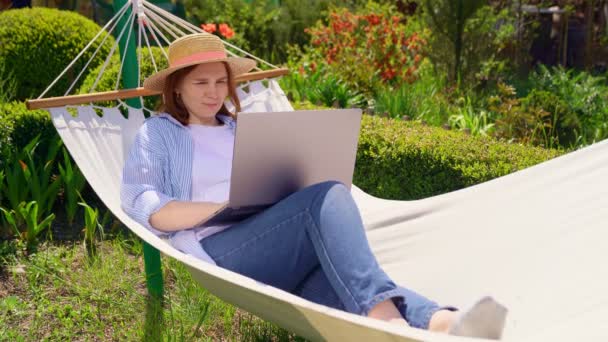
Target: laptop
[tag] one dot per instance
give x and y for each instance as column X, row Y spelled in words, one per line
column 278, row 153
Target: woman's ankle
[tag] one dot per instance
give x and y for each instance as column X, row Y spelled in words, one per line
column 442, row 320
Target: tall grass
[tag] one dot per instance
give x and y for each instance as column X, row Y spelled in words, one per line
column 420, row 100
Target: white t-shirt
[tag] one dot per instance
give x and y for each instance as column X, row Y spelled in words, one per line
column 211, row 169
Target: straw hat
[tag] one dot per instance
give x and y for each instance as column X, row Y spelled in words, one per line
column 196, row 49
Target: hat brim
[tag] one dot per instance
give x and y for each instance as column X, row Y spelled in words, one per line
column 237, row 65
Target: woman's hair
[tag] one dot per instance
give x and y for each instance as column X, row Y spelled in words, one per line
column 174, row 106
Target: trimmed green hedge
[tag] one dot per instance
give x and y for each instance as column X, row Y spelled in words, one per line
column 407, row 160
column 18, row 126
column 395, row 159
column 36, row 44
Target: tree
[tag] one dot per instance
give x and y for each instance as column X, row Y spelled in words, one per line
column 448, row 19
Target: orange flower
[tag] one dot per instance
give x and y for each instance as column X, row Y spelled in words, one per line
column 226, row 31
column 209, row 28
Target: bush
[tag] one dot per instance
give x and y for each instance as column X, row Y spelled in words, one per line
column 407, row 160
column 367, row 49
column 19, row 126
column 262, row 27
column 108, row 79
column 583, row 94
column 38, row 43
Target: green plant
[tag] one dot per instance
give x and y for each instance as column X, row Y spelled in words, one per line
column 321, row 88
column 28, row 177
column 92, row 228
column 564, row 123
column 467, row 118
column 26, row 223
column 583, row 94
column 264, row 28
column 73, row 182
column 18, row 126
column 516, row 122
column 420, row 100
column 466, row 39
column 38, row 43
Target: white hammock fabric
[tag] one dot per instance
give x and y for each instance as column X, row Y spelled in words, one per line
column 535, row 239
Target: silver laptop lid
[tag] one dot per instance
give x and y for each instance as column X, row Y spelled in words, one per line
column 278, row 153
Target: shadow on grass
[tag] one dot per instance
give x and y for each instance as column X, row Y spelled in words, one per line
column 154, row 324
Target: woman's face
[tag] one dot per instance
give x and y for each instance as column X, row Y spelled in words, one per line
column 203, row 91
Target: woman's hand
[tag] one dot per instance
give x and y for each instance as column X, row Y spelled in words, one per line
column 177, row 215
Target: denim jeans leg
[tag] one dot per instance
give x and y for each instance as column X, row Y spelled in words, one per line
column 319, row 225
column 316, row 288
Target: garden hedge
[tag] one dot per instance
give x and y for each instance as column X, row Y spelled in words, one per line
column 18, row 126
column 395, row 159
column 408, row 160
column 36, row 44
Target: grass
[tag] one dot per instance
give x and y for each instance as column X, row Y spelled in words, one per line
column 58, row 294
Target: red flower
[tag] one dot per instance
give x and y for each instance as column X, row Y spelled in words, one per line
column 226, row 31
column 209, row 28
column 373, row 19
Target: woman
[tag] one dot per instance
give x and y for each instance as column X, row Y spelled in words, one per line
column 311, row 244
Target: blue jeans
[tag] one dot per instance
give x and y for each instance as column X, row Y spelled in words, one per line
column 313, row 244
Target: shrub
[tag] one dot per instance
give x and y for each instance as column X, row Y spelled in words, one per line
column 407, row 160
column 38, row 43
column 582, row 94
column 19, row 126
column 367, row 48
column 262, row 27
column 108, row 79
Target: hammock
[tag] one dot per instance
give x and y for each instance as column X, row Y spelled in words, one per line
column 535, row 239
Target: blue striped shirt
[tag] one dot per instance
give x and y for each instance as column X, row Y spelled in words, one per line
column 158, row 168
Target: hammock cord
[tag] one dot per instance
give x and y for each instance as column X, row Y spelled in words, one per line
column 103, row 29
column 107, row 61
column 124, row 53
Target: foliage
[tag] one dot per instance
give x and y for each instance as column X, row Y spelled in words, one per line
column 92, row 228
column 420, row 100
column 8, row 84
column 518, row 122
column 582, row 94
column 407, row 160
column 109, row 78
column 73, row 183
column 18, row 126
column 466, row 39
column 470, row 120
column 366, row 49
column 320, row 88
column 30, row 178
column 26, row 222
column 564, row 125
column 38, row 43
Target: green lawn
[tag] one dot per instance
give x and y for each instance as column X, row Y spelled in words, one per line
column 58, row 294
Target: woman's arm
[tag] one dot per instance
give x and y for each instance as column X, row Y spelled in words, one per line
column 178, row 215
